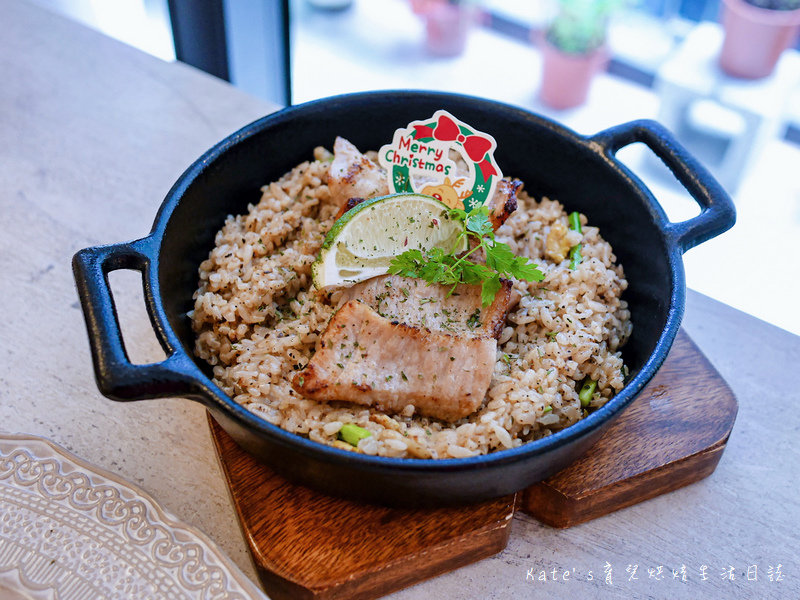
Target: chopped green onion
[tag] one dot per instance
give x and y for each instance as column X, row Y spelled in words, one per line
column 575, row 257
column 588, row 387
column 351, row 433
column 547, row 409
column 575, row 221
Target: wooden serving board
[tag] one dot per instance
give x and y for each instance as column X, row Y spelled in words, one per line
column 307, row 545
column 672, row 435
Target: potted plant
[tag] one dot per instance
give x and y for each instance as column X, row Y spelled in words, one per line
column 756, row 34
column 574, row 49
column 447, row 24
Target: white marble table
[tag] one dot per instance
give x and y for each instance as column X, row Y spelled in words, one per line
column 93, row 134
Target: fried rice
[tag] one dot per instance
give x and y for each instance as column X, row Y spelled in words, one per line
column 258, row 318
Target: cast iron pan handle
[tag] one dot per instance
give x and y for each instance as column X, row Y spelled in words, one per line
column 118, row 378
column 718, row 213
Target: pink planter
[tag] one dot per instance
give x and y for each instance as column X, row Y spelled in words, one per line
column 566, row 78
column 755, row 38
column 447, row 28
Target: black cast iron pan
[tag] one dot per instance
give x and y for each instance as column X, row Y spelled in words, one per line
column 582, row 172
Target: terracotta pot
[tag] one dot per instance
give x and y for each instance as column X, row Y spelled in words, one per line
column 755, row 38
column 566, row 78
column 447, row 28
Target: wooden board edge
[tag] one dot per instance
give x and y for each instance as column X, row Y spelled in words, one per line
column 405, row 572
column 408, row 571
column 551, row 507
column 393, row 577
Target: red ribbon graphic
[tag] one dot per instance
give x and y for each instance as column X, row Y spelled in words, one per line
column 475, row 145
column 422, row 131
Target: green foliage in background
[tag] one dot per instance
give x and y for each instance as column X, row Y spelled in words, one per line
column 580, row 25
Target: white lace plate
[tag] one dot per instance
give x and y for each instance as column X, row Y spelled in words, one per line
column 72, row 531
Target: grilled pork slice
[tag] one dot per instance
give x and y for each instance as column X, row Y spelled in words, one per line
column 504, row 201
column 353, row 175
column 416, row 303
column 370, row 360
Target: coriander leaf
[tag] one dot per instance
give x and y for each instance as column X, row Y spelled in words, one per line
column 413, row 256
column 437, row 266
column 436, row 253
column 478, row 221
column 474, row 273
column 525, row 270
column 407, row 264
column 499, row 257
column 489, row 289
column 434, row 272
column 458, row 214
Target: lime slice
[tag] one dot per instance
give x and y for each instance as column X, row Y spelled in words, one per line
column 363, row 241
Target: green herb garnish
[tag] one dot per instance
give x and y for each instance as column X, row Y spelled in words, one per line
column 437, row 266
column 352, row 433
column 586, row 392
column 575, row 221
column 575, row 257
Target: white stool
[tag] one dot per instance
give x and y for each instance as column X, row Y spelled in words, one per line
column 722, row 120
